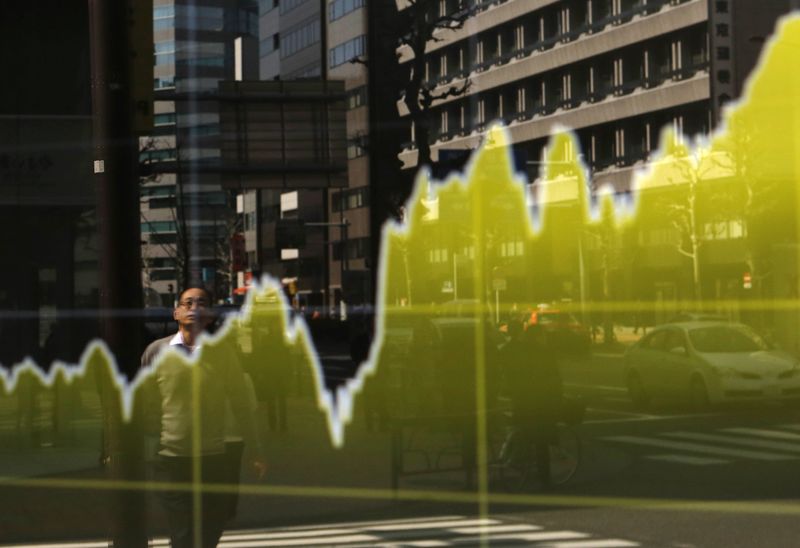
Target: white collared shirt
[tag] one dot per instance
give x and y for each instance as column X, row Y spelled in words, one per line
column 177, row 340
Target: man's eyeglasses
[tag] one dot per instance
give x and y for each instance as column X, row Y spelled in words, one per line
column 188, row 303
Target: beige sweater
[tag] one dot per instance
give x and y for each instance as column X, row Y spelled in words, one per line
column 190, row 400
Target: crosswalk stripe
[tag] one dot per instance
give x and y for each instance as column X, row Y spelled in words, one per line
column 609, row 543
column 417, row 526
column 288, row 534
column 492, row 529
column 545, row 535
column 688, row 459
column 422, row 544
column 699, row 448
column 524, row 537
column 395, row 544
column 474, row 531
column 357, row 524
column 760, row 444
column 327, row 541
column 103, row 544
column 764, row 433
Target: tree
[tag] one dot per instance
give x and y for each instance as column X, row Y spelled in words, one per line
column 389, row 28
column 182, row 252
column 753, row 196
column 415, row 25
column 422, row 23
column 178, row 252
column 688, row 172
column 606, row 239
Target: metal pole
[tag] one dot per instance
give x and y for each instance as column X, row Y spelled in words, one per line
column 455, row 276
column 117, row 188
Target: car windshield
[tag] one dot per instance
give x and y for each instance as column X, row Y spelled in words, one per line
column 726, row 339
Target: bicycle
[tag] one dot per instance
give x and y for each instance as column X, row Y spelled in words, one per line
column 515, row 468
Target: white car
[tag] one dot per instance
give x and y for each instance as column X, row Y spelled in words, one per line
column 707, row 363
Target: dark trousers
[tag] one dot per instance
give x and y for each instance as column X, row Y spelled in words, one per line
column 233, row 471
column 179, row 503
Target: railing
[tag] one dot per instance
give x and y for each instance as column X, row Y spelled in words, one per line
column 477, row 7
column 680, row 74
column 652, row 6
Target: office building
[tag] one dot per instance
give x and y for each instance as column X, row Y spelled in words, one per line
column 614, row 71
column 187, row 219
column 312, row 40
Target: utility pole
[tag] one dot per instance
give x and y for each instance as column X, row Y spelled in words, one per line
column 323, row 74
column 117, row 189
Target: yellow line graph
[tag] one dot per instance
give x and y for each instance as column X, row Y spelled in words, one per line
column 479, row 233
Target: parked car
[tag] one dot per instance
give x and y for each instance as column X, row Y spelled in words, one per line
column 708, row 362
column 570, row 333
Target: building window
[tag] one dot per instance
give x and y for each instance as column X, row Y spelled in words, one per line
column 163, row 83
column 725, row 230
column 165, row 53
column 722, row 30
column 512, row 249
column 266, row 5
column 721, row 6
column 163, row 17
column 158, row 226
column 269, row 44
column 723, row 53
column 349, row 199
column 160, row 12
column 161, row 262
column 347, row 51
column 289, row 5
column 162, row 275
column 201, row 54
column 438, row 255
column 154, row 191
column 300, row 37
column 164, row 119
column 340, row 8
column 356, row 147
column 357, row 97
column 200, row 18
column 163, row 239
column 660, row 236
column 158, row 155
column 161, row 203
column 723, row 76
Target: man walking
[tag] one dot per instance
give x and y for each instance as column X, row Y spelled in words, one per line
column 189, row 399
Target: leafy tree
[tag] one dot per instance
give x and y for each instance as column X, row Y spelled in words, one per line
column 423, row 22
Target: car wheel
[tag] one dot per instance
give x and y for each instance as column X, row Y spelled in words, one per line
column 636, row 391
column 698, row 395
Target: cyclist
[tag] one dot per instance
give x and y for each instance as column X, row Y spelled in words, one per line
column 534, row 385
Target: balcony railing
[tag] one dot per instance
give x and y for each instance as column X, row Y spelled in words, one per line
column 553, row 103
column 652, row 6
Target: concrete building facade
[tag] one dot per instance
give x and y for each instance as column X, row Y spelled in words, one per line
column 614, row 71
